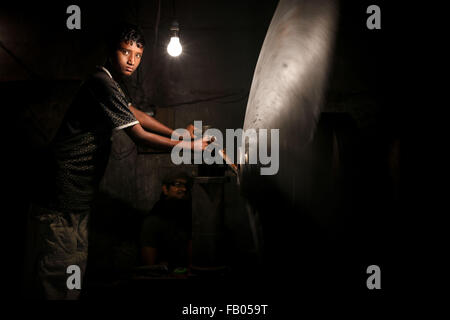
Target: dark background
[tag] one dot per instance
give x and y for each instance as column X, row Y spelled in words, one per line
column 42, row 63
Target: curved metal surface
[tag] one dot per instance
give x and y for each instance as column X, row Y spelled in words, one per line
column 286, row 94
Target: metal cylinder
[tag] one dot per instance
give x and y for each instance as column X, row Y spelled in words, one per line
column 287, row 94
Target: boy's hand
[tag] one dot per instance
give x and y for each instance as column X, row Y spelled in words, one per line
column 190, row 128
column 197, row 146
column 186, row 136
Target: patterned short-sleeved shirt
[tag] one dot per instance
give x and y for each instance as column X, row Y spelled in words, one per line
column 82, row 145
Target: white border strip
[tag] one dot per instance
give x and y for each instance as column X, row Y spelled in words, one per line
column 126, row 125
column 106, row 70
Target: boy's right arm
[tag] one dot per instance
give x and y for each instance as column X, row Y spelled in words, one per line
column 145, row 138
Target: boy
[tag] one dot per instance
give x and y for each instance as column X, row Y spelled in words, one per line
column 80, row 151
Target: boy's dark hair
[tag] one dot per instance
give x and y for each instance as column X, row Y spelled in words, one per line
column 125, row 32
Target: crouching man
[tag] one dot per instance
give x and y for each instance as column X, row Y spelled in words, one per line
column 166, row 236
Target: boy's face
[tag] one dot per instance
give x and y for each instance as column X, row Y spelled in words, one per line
column 127, row 58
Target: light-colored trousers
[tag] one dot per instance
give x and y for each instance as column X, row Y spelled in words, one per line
column 55, row 242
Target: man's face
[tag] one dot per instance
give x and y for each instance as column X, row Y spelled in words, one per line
column 127, row 58
column 176, row 190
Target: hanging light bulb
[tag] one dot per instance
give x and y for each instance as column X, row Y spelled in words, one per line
column 174, row 48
